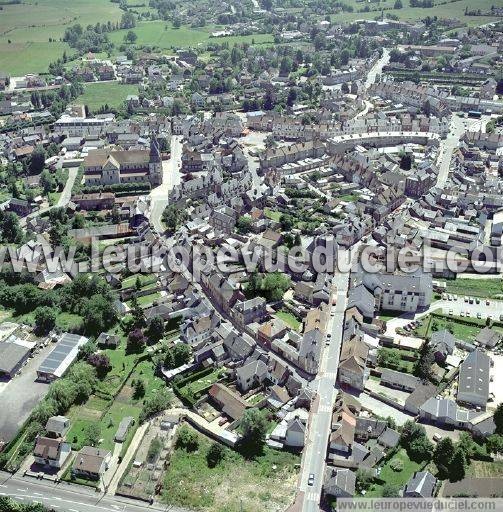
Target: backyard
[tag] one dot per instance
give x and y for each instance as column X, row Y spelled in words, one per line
column 392, row 476
column 113, row 94
column 233, row 485
column 289, row 319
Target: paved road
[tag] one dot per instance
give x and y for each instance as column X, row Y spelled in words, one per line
column 171, row 177
column 457, row 128
column 321, row 416
column 377, row 68
column 70, row 498
column 63, row 200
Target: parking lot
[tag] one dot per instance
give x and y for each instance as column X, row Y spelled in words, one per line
column 20, row 395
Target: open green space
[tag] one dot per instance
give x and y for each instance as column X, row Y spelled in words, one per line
column 113, row 94
column 465, row 329
column 451, row 10
column 391, row 476
column 64, row 321
column 272, row 214
column 145, row 280
column 289, row 319
column 235, row 484
column 163, row 35
column 489, row 288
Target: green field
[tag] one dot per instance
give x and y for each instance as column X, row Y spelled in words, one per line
column 452, row 10
column 29, row 26
column 112, row 93
column 289, row 319
column 163, row 35
column 489, row 288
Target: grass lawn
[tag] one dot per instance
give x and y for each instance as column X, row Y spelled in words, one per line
column 162, row 35
column 489, row 288
column 272, row 214
column 266, row 483
column 203, row 383
column 465, row 329
column 145, row 279
column 54, row 198
column 111, row 93
column 289, row 319
column 390, row 476
column 64, row 321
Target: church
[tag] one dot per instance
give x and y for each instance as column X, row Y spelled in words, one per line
column 114, row 166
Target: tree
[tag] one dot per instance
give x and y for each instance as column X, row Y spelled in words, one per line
column 364, row 479
column 420, row 449
column 136, row 341
column 177, row 23
column 215, row 455
column 187, row 439
column 101, row 362
column 137, row 313
column 177, row 356
column 254, row 426
column 443, row 454
column 10, row 230
column 243, row 224
column 47, row 181
column 92, row 434
column 45, row 319
column 155, row 329
column 494, row 444
column 128, row 20
column 155, row 403
column 498, row 418
column 37, row 160
column 398, row 4
column 98, row 314
column 390, row 491
column 458, row 466
column 130, row 37
column 139, row 389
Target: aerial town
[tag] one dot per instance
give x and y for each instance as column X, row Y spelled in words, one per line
column 250, row 254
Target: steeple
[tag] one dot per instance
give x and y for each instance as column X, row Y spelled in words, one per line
column 155, row 153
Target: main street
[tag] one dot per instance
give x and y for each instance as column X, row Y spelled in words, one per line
column 70, row 498
column 313, row 461
column 171, row 177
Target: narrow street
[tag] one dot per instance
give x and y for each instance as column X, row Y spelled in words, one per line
column 313, row 462
column 171, row 177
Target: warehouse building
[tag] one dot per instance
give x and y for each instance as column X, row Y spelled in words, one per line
column 61, row 357
column 12, row 357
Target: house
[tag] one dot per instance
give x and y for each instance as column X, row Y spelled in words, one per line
column 231, row 404
column 57, row 426
column 197, row 331
column 295, row 432
column 51, row 452
column 271, row 330
column 353, row 371
column 223, row 219
column 421, row 485
column 108, row 340
column 238, row 346
column 474, row 378
column 339, row 482
column 251, row 375
column 90, row 463
column 443, row 344
column 249, row 311
column 488, row 337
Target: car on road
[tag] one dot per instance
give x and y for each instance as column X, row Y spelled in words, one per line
column 488, row 303
column 310, row 480
column 479, row 316
column 451, row 312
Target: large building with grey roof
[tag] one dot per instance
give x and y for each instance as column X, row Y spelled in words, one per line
column 474, row 378
column 61, row 357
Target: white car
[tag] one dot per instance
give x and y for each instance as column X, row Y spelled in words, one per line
column 310, row 480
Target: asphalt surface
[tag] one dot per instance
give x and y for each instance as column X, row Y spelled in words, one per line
column 171, row 177
column 70, row 498
column 321, row 418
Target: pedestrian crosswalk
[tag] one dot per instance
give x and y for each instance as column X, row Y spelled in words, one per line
column 312, row 496
column 325, row 408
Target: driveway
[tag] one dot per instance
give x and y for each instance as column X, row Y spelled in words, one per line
column 20, row 395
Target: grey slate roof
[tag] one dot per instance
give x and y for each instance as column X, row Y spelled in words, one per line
column 421, row 484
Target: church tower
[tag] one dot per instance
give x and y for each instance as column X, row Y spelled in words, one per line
column 155, row 161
